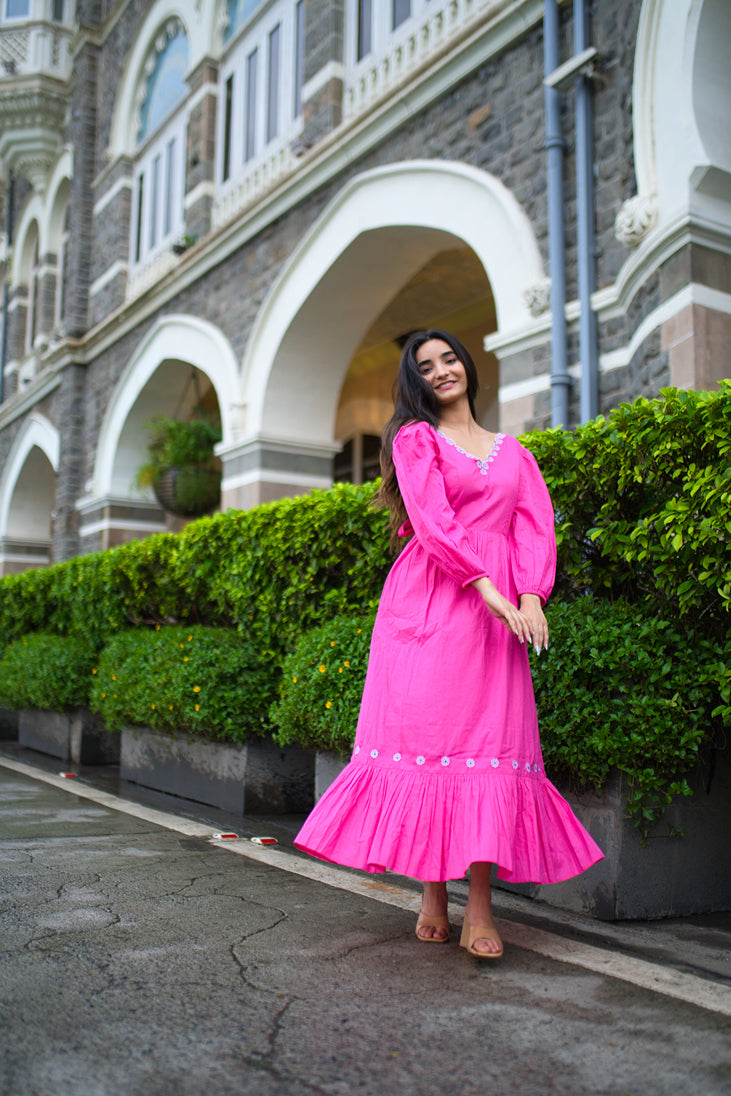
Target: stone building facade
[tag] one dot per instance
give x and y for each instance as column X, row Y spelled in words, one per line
column 247, row 204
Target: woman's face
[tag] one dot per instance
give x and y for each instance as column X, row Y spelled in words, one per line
column 443, row 371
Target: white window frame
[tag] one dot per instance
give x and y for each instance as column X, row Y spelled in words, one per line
column 16, row 18
column 383, row 37
column 162, row 210
column 255, row 36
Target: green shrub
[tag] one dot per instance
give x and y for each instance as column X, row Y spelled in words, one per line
column 618, row 688
column 288, row 566
column 322, row 684
column 198, row 680
column 45, row 671
column 643, row 504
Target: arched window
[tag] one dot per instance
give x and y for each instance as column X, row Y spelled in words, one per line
column 238, row 12
column 60, row 303
column 159, row 187
column 34, row 298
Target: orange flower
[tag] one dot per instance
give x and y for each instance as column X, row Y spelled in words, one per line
column 196, row 688
column 329, row 704
column 321, row 667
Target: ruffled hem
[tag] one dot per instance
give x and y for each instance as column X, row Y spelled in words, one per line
column 432, row 826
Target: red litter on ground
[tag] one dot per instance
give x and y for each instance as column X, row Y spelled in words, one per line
column 224, row 836
column 264, row 840
column 68, row 775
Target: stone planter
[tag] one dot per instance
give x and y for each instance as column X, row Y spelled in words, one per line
column 670, row 876
column 8, row 725
column 254, row 778
column 78, row 736
column 328, row 766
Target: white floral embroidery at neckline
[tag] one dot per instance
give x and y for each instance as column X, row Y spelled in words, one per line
column 481, row 464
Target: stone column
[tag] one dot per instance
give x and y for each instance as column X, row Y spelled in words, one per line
column 322, row 94
column 201, row 149
column 259, row 469
column 82, row 136
column 112, row 191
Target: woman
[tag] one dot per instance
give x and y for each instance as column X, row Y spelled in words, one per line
column 447, row 773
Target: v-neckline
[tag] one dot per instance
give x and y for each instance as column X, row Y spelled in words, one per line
column 481, row 461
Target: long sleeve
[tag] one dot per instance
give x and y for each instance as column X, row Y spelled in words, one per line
column 533, row 532
column 430, row 515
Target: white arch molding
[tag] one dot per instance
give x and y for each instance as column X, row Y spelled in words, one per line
column 379, row 230
column 36, row 433
column 175, row 338
column 681, row 98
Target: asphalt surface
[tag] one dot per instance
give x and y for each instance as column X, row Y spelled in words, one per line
column 142, row 958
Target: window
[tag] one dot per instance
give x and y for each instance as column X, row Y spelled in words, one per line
column 400, row 12
column 158, row 213
column 299, row 55
column 273, row 85
column 34, row 298
column 262, row 76
column 251, row 69
column 228, row 106
column 60, row 304
column 58, row 11
column 365, row 25
column 359, row 460
column 16, row 9
column 373, row 27
column 160, row 169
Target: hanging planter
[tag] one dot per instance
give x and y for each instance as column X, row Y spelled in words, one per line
column 182, row 470
column 188, row 491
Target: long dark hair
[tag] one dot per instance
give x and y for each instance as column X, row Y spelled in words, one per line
column 415, row 401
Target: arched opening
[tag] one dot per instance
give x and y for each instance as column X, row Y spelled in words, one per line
column 184, row 369
column 450, row 291
column 402, row 246
column 27, row 498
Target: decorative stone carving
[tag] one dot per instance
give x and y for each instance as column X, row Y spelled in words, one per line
column 635, row 219
column 538, row 297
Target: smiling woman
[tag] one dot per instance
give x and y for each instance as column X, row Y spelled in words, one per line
column 447, row 773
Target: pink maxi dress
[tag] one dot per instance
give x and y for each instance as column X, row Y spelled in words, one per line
column 447, row 766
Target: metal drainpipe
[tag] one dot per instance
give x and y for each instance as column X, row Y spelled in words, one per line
column 8, row 243
column 554, row 146
column 585, row 223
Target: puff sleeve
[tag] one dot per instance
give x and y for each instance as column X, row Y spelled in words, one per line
column 533, row 532
column 431, row 517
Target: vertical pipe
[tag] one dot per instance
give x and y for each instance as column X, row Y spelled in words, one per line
column 8, row 242
column 554, row 146
column 585, row 223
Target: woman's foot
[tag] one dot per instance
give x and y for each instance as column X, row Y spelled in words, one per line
column 481, row 938
column 432, row 926
column 479, row 933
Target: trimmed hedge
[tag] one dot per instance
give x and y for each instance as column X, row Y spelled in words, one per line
column 619, row 689
column 45, row 671
column 615, row 689
column 643, row 503
column 198, row 680
column 322, row 684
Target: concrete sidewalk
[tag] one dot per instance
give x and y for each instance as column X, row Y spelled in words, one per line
column 142, row 959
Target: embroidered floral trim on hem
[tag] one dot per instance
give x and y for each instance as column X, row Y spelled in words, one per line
column 470, row 762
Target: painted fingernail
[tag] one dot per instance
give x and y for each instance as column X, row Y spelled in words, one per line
column 538, row 649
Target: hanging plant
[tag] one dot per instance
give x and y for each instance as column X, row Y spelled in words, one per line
column 182, row 469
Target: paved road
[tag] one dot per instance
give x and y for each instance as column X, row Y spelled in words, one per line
column 141, row 959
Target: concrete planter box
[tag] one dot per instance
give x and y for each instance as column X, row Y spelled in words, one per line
column 8, row 725
column 79, row 736
column 328, row 766
column 255, row 778
column 671, row 876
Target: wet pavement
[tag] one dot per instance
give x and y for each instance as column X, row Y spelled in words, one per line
column 142, row 958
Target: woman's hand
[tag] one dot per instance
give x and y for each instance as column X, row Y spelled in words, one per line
column 532, row 610
column 513, row 619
